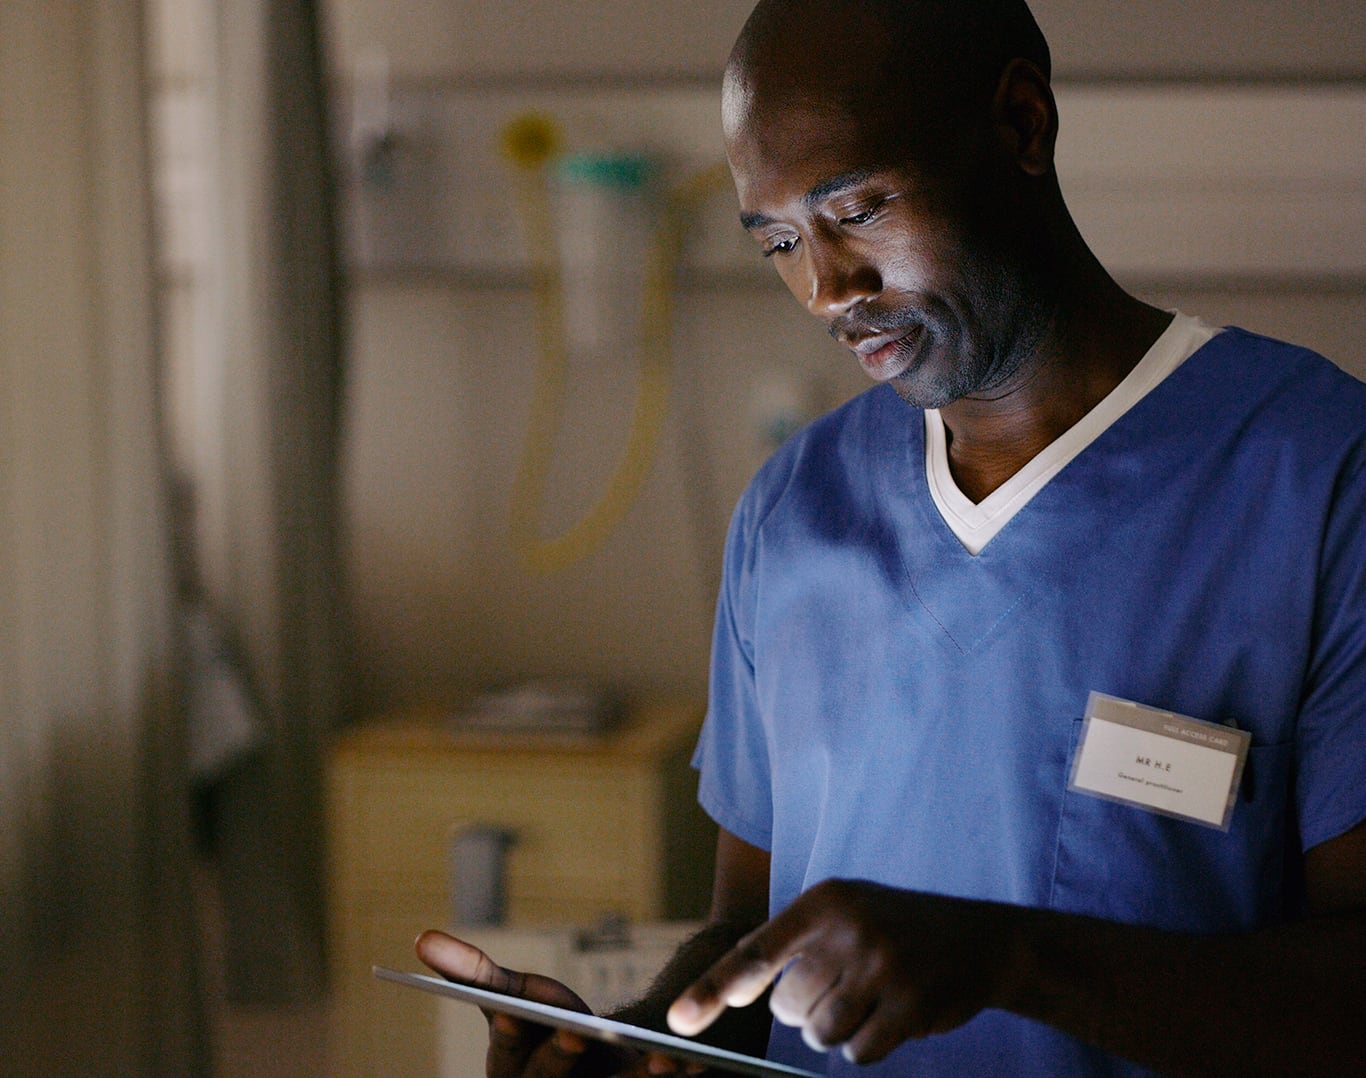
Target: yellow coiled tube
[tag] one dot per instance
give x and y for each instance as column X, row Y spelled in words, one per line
column 531, row 142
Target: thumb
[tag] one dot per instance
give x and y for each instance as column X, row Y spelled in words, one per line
column 457, row 960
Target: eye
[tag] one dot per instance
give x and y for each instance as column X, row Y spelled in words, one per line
column 862, row 217
column 781, row 246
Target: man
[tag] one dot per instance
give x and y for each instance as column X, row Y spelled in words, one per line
column 1058, row 491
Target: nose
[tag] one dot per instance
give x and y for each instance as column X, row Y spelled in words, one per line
column 837, row 279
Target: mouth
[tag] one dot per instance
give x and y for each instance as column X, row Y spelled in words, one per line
column 887, row 355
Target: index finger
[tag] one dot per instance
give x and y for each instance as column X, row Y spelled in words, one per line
column 741, row 975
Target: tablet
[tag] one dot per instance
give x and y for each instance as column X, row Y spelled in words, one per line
column 590, row 1025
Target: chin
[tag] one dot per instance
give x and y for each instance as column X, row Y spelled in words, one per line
column 924, row 392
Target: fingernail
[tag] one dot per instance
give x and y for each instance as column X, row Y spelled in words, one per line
column 683, row 1010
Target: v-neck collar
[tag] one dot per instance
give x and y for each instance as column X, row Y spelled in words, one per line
column 976, row 523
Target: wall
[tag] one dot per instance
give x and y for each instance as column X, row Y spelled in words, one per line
column 1099, row 39
column 441, row 364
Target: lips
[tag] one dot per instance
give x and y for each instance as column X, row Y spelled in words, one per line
column 887, row 355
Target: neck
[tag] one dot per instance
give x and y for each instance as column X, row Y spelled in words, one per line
column 1097, row 336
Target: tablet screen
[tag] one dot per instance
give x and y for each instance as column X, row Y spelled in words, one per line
column 589, row 1025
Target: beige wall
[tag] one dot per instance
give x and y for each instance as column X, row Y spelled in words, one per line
column 1090, row 38
column 441, row 366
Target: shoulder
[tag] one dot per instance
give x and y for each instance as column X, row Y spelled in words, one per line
column 838, row 449
column 1275, row 401
column 1273, row 373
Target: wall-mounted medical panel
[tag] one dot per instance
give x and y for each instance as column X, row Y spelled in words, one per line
column 1166, row 180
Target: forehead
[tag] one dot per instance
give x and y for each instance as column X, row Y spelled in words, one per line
column 784, row 146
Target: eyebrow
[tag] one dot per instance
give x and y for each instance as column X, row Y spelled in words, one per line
column 833, row 186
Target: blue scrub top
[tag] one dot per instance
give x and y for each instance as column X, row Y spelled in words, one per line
column 885, row 705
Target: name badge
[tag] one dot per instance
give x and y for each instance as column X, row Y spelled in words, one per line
column 1160, row 761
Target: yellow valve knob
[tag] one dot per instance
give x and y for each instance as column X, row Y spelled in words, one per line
column 530, row 140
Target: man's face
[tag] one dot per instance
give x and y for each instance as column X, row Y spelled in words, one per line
column 915, row 267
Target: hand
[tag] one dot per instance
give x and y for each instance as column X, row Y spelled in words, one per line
column 520, row 1049
column 863, row 966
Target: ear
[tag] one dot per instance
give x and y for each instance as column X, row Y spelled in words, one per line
column 1026, row 117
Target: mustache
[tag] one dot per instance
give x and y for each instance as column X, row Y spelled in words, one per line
column 872, row 322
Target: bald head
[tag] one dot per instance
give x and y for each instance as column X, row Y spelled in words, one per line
column 932, row 62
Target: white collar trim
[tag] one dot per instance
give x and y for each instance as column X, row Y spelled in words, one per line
column 976, row 523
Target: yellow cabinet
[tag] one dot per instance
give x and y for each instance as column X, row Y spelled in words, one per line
column 602, row 824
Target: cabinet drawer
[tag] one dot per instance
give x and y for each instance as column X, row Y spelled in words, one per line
column 566, row 826
column 381, row 1029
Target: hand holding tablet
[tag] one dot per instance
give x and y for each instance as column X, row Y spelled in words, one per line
column 594, row 1027
column 527, row 997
